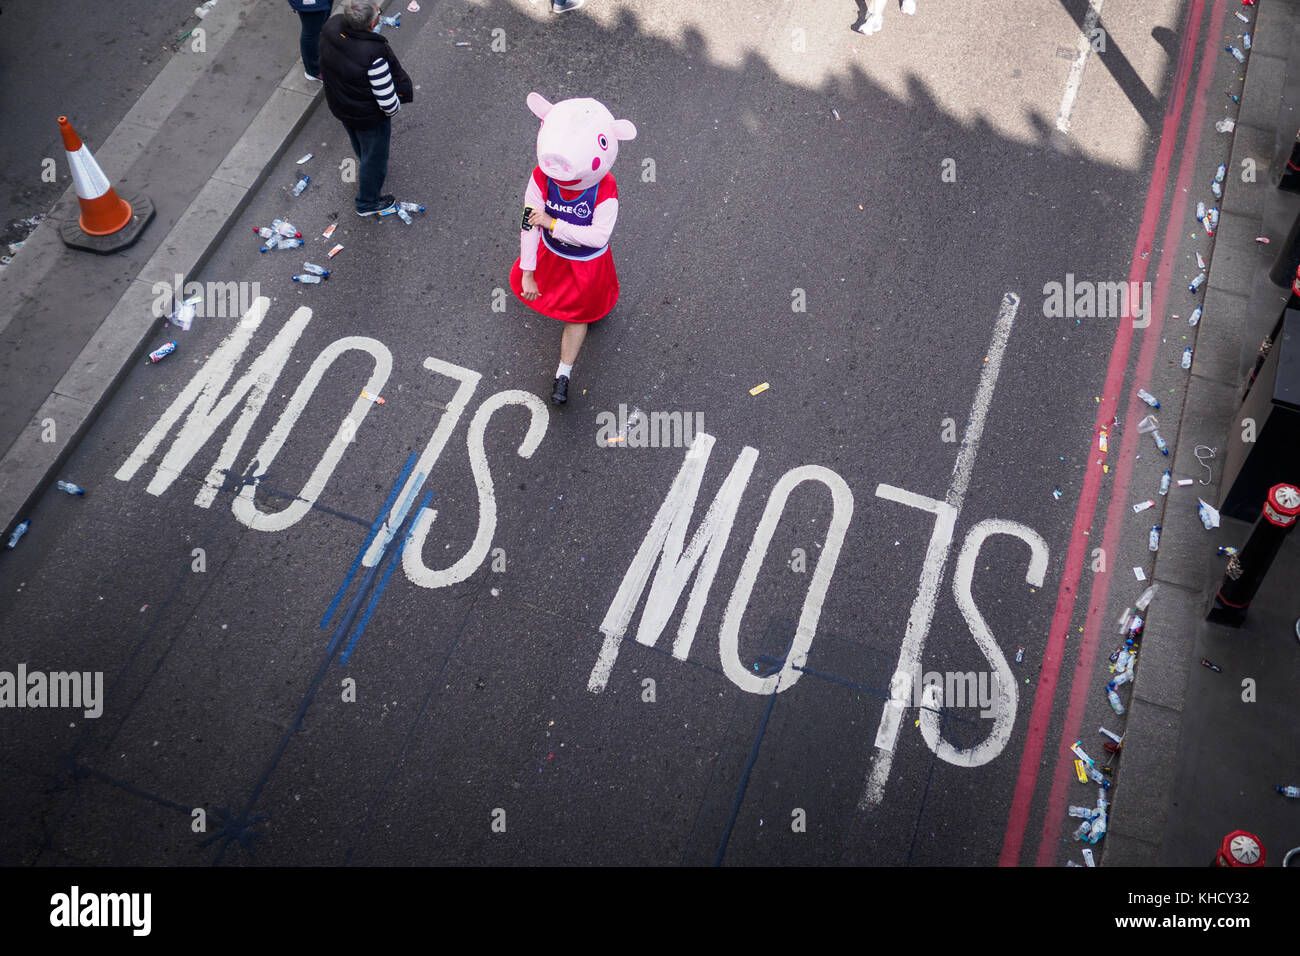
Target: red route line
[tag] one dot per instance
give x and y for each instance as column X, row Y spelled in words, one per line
column 1083, row 680
column 1045, row 690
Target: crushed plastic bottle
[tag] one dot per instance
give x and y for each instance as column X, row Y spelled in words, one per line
column 1226, row 125
column 302, row 184
column 1115, row 703
column 403, row 215
column 19, row 531
column 272, row 242
column 1145, row 600
column 69, row 487
column 1187, row 357
column 1217, row 190
column 1195, row 317
column 285, row 228
column 1212, row 214
column 183, row 315
column 1153, row 539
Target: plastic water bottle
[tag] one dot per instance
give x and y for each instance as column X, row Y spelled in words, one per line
column 1187, row 357
column 1196, row 283
column 1236, row 54
column 403, row 215
column 1293, row 792
column 1195, row 317
column 1161, row 443
column 309, row 279
column 1200, row 212
column 1148, row 398
column 272, row 242
column 411, row 206
column 1122, row 677
column 1086, row 813
column 393, row 21
column 1115, row 703
column 19, row 532
column 315, row 269
column 285, row 229
column 1145, row 600
column 1220, row 172
column 1245, row 40
column 266, row 232
column 290, row 243
column 1165, row 479
column 302, row 184
column 1212, row 214
column 1083, row 829
column 1153, row 539
column 69, row 487
column 1217, row 190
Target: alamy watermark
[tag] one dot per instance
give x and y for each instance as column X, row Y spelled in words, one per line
column 76, row 689
column 955, row 689
column 1096, row 300
column 638, row 429
column 211, row 300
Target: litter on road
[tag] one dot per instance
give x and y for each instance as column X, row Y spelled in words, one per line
column 758, row 388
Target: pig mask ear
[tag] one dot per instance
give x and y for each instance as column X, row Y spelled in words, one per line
column 624, row 129
column 540, row 106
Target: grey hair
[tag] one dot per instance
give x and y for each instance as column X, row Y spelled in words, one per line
column 359, row 14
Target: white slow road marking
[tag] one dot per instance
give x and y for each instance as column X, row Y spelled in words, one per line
column 413, row 557
column 936, row 556
column 1004, row 705
column 1075, row 78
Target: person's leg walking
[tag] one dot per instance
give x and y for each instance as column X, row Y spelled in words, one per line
column 309, row 40
column 571, row 342
column 373, row 151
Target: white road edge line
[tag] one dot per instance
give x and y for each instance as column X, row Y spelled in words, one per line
column 936, row 557
column 1075, row 79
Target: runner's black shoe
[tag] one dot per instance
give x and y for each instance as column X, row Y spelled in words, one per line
column 561, row 393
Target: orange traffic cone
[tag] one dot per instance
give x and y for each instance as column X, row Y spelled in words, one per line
column 107, row 221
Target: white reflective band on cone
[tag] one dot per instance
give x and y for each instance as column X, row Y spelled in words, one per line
column 89, row 179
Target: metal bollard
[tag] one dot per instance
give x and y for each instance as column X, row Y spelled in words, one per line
column 1247, row 569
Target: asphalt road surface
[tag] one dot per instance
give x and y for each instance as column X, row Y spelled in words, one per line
column 865, row 224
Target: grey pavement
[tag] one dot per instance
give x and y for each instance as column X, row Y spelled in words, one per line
column 71, row 322
column 1203, row 750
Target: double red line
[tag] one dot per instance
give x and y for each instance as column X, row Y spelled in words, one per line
column 1082, row 682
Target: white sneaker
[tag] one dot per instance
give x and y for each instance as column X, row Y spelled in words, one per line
column 909, row 7
column 872, row 24
column 314, row 79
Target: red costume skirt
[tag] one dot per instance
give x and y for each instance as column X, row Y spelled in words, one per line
column 571, row 290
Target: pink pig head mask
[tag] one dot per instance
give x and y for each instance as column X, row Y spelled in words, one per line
column 578, row 141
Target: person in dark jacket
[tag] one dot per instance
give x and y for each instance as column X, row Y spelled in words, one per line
column 364, row 87
column 313, row 14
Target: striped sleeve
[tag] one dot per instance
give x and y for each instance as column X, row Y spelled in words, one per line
column 381, row 84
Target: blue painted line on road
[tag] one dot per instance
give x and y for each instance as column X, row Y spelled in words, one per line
column 374, row 530
column 383, row 582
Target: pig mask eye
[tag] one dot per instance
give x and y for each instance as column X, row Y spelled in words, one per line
column 604, row 143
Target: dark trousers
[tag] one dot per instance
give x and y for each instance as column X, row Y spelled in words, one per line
column 371, row 147
column 309, row 39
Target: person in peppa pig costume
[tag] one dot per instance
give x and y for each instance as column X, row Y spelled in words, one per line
column 565, row 269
